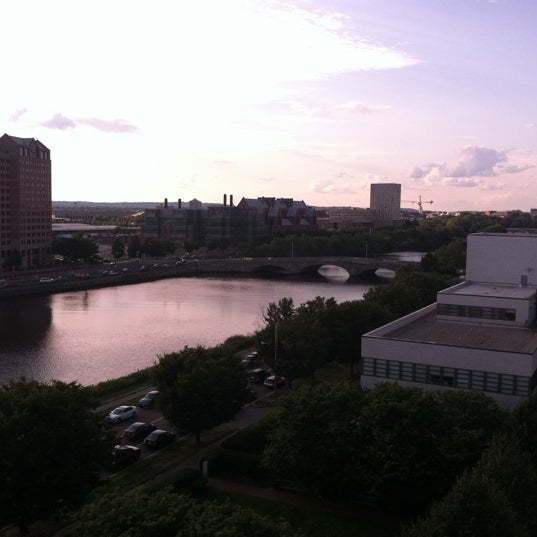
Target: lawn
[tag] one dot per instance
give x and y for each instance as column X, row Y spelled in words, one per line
column 313, row 523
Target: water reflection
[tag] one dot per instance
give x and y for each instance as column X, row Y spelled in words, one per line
column 100, row 334
column 24, row 323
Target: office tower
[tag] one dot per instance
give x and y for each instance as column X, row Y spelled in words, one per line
column 385, row 203
column 25, row 203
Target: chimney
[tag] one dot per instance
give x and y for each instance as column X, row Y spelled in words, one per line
column 231, row 200
column 179, row 203
column 165, row 203
column 225, row 200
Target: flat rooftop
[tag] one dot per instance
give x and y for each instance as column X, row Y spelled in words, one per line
column 491, row 289
column 428, row 329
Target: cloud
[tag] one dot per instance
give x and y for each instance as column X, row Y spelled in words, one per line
column 59, row 122
column 331, row 186
column 15, row 116
column 472, row 164
column 115, row 125
column 356, row 107
column 477, row 161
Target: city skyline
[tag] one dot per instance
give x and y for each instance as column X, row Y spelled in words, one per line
column 311, row 100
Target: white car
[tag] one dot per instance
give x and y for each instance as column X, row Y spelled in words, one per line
column 273, row 380
column 122, row 413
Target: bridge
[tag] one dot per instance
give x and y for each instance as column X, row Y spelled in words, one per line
column 298, row 266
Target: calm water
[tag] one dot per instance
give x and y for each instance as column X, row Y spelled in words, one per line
column 90, row 336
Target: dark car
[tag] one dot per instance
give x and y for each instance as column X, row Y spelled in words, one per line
column 148, row 400
column 138, row 430
column 123, row 456
column 159, row 438
column 257, row 376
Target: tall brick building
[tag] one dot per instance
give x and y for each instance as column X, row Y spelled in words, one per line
column 25, row 203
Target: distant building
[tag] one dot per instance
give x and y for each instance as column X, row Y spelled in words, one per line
column 479, row 335
column 344, row 218
column 251, row 221
column 25, row 203
column 385, row 204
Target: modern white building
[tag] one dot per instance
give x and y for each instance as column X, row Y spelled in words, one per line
column 480, row 334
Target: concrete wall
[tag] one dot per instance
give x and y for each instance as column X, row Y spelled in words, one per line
column 502, row 258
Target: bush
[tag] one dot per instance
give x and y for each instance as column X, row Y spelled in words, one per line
column 190, row 481
column 238, row 465
column 252, row 439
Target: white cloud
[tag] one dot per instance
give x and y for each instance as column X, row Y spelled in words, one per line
column 472, row 164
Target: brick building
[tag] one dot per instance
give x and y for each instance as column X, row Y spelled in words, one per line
column 25, row 203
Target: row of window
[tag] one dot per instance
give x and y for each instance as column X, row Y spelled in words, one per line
column 448, row 376
column 478, row 312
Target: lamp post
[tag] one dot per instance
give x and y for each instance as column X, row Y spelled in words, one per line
column 275, row 355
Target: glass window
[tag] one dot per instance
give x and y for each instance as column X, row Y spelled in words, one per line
column 478, row 380
column 394, row 369
column 368, row 366
column 507, row 384
column 381, row 368
column 492, row 382
column 463, row 378
column 420, row 373
column 407, row 371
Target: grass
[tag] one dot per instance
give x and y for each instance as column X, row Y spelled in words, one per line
column 312, row 523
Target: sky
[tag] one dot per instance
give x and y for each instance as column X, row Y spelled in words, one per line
column 308, row 99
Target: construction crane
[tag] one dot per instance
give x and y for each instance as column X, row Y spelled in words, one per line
column 419, row 203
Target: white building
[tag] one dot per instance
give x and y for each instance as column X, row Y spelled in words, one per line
column 480, row 334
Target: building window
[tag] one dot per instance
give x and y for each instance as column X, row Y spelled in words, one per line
column 476, row 312
column 449, row 376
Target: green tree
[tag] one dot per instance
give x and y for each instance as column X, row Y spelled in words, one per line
column 314, row 438
column 475, row 507
column 134, row 247
column 118, row 248
column 200, row 388
column 347, row 322
column 156, row 248
column 75, row 248
column 163, row 513
column 51, row 449
column 416, row 443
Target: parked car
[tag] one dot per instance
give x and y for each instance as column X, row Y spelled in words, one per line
column 159, row 438
column 248, row 360
column 272, row 380
column 123, row 456
column 148, row 400
column 138, row 430
column 258, row 375
column 122, row 413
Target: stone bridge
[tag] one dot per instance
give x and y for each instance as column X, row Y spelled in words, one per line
column 295, row 266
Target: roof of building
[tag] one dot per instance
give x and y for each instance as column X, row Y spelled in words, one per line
column 429, row 329
column 26, row 142
column 491, row 290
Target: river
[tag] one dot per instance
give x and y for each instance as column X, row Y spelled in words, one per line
column 100, row 334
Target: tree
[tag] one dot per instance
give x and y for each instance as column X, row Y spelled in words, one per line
column 51, row 449
column 295, row 341
column 163, row 513
column 475, row 507
column 416, row 443
column 200, row 388
column 134, row 247
column 157, row 248
column 118, row 248
column 75, row 248
column 159, row 514
column 346, row 324
column 315, row 438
